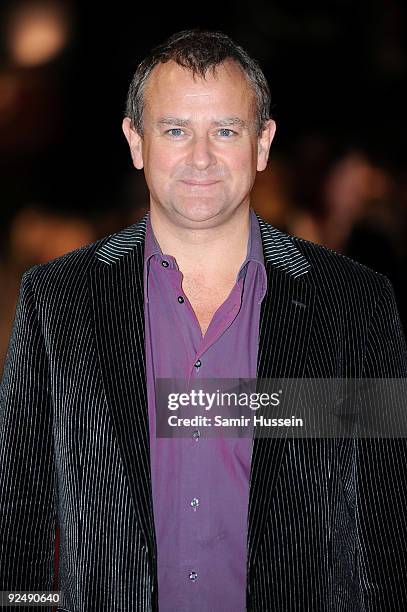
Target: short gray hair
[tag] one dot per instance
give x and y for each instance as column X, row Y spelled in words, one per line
column 198, row 51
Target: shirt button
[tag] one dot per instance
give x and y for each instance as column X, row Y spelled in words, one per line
column 196, row 434
column 195, row 503
column 165, row 263
column 180, row 299
column 193, row 576
column 198, row 363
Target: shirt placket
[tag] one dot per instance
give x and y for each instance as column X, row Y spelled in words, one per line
column 194, row 540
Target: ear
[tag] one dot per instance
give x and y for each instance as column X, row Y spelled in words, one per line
column 264, row 143
column 135, row 143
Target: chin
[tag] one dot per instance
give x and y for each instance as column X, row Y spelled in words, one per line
column 199, row 211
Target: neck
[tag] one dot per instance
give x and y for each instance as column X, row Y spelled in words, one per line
column 205, row 251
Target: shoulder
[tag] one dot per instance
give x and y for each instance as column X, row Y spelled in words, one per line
column 64, row 281
column 74, row 264
column 326, row 268
column 333, row 267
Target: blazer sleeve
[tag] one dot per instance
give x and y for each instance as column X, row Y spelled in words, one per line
column 381, row 495
column 27, row 470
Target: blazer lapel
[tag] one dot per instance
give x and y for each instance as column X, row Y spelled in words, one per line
column 285, row 326
column 118, row 305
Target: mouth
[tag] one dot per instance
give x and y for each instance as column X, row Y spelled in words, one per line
column 200, row 183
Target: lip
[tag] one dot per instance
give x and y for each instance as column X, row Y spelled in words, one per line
column 200, row 183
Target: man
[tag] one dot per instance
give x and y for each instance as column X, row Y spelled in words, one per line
column 201, row 287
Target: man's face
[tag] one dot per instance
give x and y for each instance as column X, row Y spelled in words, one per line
column 200, row 150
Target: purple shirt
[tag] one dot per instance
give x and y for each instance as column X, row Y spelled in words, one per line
column 200, row 485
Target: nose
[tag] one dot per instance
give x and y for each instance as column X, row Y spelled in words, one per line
column 201, row 155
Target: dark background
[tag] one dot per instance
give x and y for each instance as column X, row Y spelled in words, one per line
column 337, row 73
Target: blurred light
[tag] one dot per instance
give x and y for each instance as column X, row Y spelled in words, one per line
column 38, row 236
column 37, row 31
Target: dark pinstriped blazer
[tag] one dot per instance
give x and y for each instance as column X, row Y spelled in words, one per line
column 327, row 518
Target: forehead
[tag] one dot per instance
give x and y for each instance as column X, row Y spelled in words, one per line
column 172, row 89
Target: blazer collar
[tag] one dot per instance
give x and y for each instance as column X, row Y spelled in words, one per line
column 279, row 249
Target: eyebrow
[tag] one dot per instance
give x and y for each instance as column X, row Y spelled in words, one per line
column 226, row 121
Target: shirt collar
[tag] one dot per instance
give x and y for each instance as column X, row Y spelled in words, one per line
column 254, row 246
column 151, row 246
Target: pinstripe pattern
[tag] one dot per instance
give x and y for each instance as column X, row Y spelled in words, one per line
column 327, row 527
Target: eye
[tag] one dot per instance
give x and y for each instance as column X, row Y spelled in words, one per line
column 226, row 132
column 175, row 132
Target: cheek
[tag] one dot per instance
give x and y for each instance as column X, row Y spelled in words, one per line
column 158, row 167
column 243, row 166
column 243, row 159
column 163, row 163
column 158, row 158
